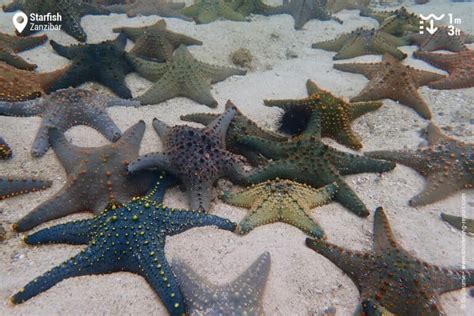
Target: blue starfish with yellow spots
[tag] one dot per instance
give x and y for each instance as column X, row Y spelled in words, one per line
column 131, row 238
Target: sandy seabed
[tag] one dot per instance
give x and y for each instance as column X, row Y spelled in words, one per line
column 301, row 282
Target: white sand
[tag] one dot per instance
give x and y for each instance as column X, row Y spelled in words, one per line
column 301, row 282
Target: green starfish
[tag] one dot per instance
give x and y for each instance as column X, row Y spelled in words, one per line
column 363, row 42
column 183, row 76
column 390, row 278
column 464, row 225
column 155, row 41
column 247, row 7
column 307, row 160
column 207, row 11
column 151, row 7
column 281, row 201
column 336, row 114
column 335, row 6
column 447, row 163
column 397, row 22
column 240, row 125
column 10, row 45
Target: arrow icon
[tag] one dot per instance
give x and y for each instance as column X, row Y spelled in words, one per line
column 431, row 29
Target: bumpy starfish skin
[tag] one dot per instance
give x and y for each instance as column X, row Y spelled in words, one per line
column 196, row 156
column 10, row 45
column 335, row 113
column 71, row 12
column 20, row 85
column 281, row 200
column 302, row 11
column 363, row 42
column 440, row 40
column 392, row 80
column 151, row 7
column 181, row 76
column 397, row 23
column 131, row 238
column 457, row 222
column 306, row 159
column 64, row 109
column 447, row 164
column 104, row 63
column 240, row 125
column 339, row 5
column 242, row 296
column 5, row 150
column 12, row 186
column 460, row 67
column 391, row 278
column 247, row 7
column 155, row 41
column 96, row 177
column 207, row 11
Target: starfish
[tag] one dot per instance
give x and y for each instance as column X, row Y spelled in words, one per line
column 302, row 11
column 207, row 11
column 336, row 114
column 247, row 7
column 447, row 164
column 195, row 156
column 397, row 22
column 306, row 159
column 11, row 45
column 281, row 201
column 5, row 150
column 363, row 42
column 393, row 80
column 71, row 12
column 390, row 278
column 13, row 186
column 183, row 76
column 161, row 8
column 460, row 67
column 103, row 63
column 242, row 296
column 131, row 238
column 64, row 109
column 240, row 125
column 20, row 85
column 96, row 177
column 465, row 225
column 335, row 6
column 155, row 41
column 442, row 39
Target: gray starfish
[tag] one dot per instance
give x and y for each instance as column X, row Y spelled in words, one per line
column 182, row 76
column 66, row 108
column 151, row 7
column 243, row 296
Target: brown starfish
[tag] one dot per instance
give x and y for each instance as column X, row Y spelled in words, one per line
column 390, row 278
column 21, row 85
column 10, row 45
column 442, row 39
column 447, row 163
column 5, row 150
column 393, row 80
column 460, row 67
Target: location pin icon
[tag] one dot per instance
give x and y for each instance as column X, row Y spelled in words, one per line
column 20, row 20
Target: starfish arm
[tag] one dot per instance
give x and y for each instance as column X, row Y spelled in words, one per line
column 67, row 153
column 180, row 221
column 440, row 185
column 234, row 169
column 25, row 108
column 219, row 126
column 319, row 197
column 161, row 128
column 264, row 211
column 348, row 138
column 282, row 9
column 61, row 204
column 199, row 90
column 48, row 79
column 434, row 135
column 177, row 39
column 347, row 197
column 360, row 108
column 313, row 129
column 353, row 263
column 200, row 196
column 366, row 69
column 10, row 186
column 148, row 161
column 162, row 183
column 438, row 60
column 65, row 51
column 229, row 14
column 114, row 78
column 275, row 169
column 41, row 142
column 82, row 264
column 191, row 11
column 412, row 159
column 347, row 163
column 452, row 83
column 335, row 44
column 71, row 76
column 20, row 44
column 356, row 47
column 269, row 149
column 72, row 26
column 206, row 16
column 382, row 46
column 457, row 222
column 446, row 280
column 246, row 198
column 15, row 60
column 423, row 78
column 217, row 73
column 201, row 118
column 384, row 241
column 161, row 91
column 133, row 33
column 132, row 137
column 155, row 269
column 296, row 213
column 77, row 232
column 149, row 70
